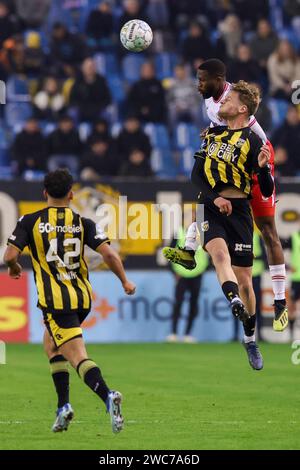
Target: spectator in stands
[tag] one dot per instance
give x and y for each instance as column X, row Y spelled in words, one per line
column 182, row 98
column 98, row 161
column 7, row 24
column 249, row 12
column 99, row 26
column 67, row 50
column 197, row 44
column 29, row 149
column 49, row 103
column 132, row 9
column 146, row 98
column 90, row 94
column 231, row 32
column 263, row 43
column 244, row 67
column 100, row 131
column 12, row 55
column 185, row 11
column 137, row 165
column 283, row 68
column 33, row 12
column 292, row 8
column 34, row 55
column 64, row 146
column 132, row 137
column 286, row 141
column 263, row 114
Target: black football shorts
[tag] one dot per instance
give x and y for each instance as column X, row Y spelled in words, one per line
column 236, row 229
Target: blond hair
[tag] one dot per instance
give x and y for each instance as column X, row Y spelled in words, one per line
column 249, row 95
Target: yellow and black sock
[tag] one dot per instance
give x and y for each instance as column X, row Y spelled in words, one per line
column 60, row 376
column 91, row 375
column 230, row 289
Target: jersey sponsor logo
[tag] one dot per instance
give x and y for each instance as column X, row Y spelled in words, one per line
column 12, row 237
column 66, row 276
column 224, row 152
column 241, row 247
column 48, row 228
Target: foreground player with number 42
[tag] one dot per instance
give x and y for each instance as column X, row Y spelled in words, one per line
column 56, row 237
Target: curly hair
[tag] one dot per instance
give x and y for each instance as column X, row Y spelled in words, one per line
column 249, row 95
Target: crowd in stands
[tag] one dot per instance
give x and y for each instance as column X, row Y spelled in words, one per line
column 75, row 97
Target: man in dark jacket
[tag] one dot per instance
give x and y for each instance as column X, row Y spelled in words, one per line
column 64, row 146
column 29, row 148
column 132, row 137
column 147, row 96
column 90, row 93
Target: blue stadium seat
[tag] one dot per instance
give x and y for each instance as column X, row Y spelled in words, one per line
column 163, row 163
column 131, row 65
column 17, row 90
column 106, row 64
column 291, row 36
column 278, row 110
column 117, row 89
column 186, row 161
column 186, row 135
column 158, row 135
column 84, row 129
column 115, row 129
column 4, row 148
column 164, row 64
column 17, row 113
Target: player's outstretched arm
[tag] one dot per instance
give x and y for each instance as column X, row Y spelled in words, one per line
column 10, row 258
column 113, row 261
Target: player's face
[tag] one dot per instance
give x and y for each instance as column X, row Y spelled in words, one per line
column 207, row 85
column 231, row 106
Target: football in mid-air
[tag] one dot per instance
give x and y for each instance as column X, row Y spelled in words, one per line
column 136, row 35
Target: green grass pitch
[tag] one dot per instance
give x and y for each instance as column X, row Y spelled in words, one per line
column 179, row 396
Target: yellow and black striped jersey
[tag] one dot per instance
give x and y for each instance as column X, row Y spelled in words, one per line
column 56, row 237
column 231, row 157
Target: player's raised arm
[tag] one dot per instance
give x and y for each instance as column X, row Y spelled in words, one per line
column 113, row 261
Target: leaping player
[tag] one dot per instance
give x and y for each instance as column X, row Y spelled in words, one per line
column 213, row 86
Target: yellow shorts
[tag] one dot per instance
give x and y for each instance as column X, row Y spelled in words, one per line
column 63, row 326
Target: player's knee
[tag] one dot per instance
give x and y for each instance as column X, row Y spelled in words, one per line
column 220, row 256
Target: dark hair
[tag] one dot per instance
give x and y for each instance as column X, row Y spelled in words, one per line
column 58, row 183
column 215, row 67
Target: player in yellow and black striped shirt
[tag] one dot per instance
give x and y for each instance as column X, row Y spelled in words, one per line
column 56, row 237
column 223, row 172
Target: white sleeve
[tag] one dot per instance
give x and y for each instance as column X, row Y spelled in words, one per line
column 257, row 129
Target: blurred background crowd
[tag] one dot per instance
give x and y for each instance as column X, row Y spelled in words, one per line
column 75, row 97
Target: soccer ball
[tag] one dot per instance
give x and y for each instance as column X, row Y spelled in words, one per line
column 136, row 35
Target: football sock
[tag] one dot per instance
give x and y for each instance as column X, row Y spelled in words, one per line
column 230, row 289
column 91, row 375
column 249, row 329
column 278, row 275
column 60, row 376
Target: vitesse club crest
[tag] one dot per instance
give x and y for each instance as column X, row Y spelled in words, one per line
column 240, row 143
column 205, row 226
